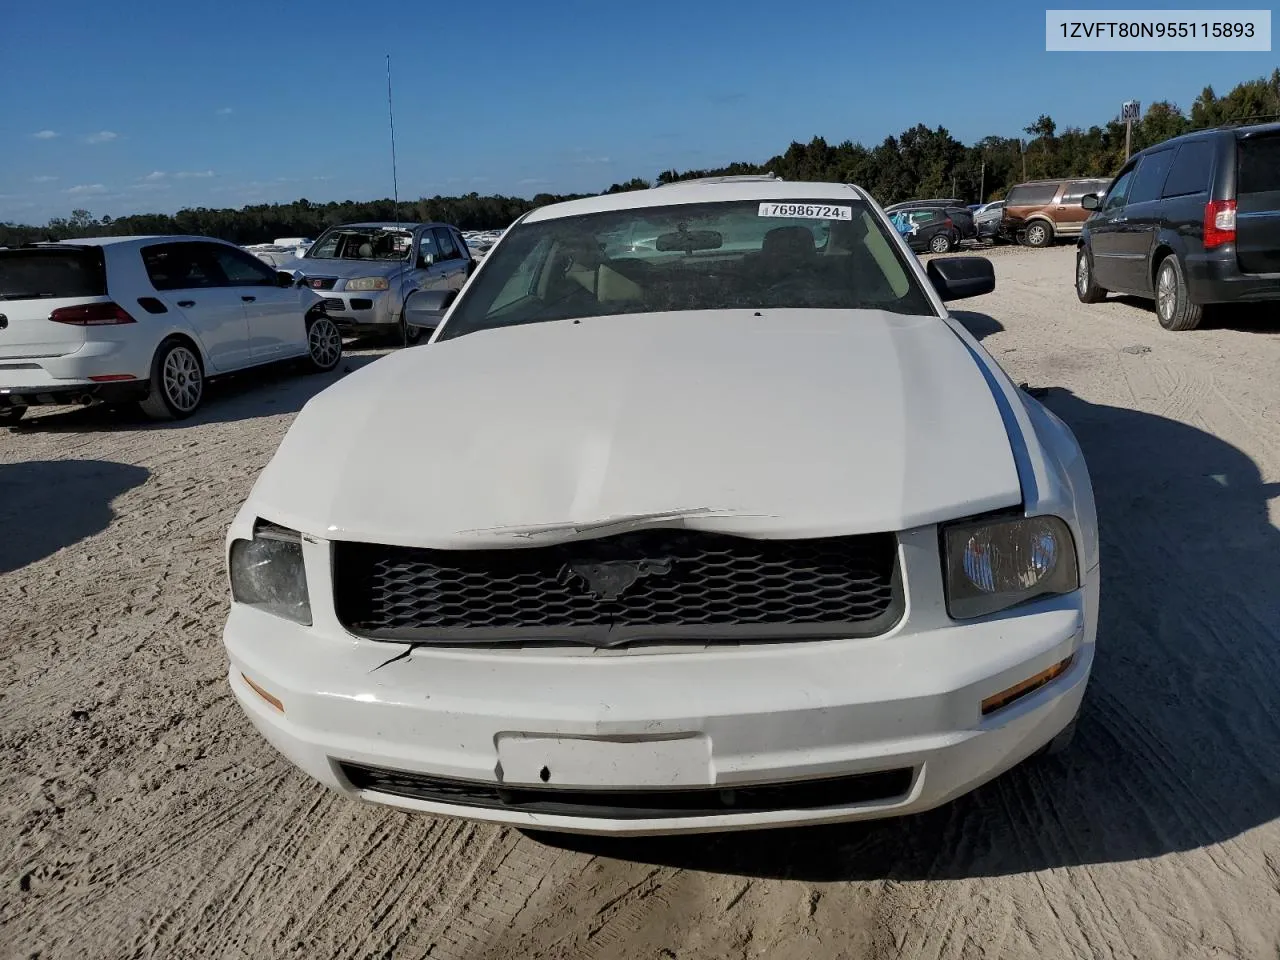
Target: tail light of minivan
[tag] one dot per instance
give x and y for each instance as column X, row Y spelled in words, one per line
column 92, row 315
column 1219, row 223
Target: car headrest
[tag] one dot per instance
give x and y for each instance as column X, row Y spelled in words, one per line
column 366, row 251
column 788, row 242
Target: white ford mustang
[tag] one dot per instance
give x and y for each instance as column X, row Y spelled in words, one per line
column 733, row 528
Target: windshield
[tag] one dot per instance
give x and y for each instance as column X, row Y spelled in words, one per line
column 711, row 256
column 361, row 243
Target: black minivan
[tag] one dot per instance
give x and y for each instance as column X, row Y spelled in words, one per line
column 1191, row 221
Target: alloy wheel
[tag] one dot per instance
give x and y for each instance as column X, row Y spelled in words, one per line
column 324, row 342
column 183, row 382
column 1166, row 292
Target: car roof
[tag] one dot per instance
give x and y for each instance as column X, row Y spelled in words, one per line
column 1239, row 131
column 723, row 191
column 140, row 238
column 388, row 224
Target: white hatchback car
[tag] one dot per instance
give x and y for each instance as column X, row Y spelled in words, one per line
column 743, row 530
column 147, row 319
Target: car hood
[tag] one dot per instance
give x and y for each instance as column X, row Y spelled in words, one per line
column 796, row 423
column 346, row 269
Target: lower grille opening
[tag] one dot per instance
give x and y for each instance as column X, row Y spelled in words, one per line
column 876, row 787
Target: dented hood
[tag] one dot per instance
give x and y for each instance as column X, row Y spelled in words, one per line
column 791, row 424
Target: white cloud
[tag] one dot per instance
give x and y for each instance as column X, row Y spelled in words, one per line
column 83, row 189
column 102, row 136
column 593, row 160
column 224, row 111
column 149, row 186
column 531, row 181
column 154, row 175
column 189, row 174
column 43, row 179
column 45, row 134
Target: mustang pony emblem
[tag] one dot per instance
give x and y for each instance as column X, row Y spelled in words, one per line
column 607, row 580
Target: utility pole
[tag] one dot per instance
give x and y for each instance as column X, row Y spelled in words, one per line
column 1023, row 144
column 982, row 183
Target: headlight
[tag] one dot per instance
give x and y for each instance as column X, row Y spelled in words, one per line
column 997, row 563
column 367, row 283
column 267, row 573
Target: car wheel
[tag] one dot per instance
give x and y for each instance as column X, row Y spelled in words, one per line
column 324, row 344
column 1087, row 288
column 10, row 415
column 177, row 382
column 940, row 243
column 409, row 335
column 1039, row 234
column 1173, row 305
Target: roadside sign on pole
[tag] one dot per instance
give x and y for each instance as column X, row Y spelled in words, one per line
column 1131, row 110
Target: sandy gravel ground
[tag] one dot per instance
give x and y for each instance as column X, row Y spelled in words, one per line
column 140, row 815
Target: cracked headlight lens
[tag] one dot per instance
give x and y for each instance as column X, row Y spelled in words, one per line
column 267, row 572
column 994, row 564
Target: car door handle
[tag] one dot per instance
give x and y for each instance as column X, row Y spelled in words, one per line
column 248, row 299
column 186, row 303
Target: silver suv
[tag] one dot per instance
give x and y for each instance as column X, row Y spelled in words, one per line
column 364, row 271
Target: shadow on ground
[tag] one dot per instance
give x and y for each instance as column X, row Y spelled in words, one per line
column 46, row 505
column 1245, row 317
column 262, row 392
column 981, row 325
column 1179, row 741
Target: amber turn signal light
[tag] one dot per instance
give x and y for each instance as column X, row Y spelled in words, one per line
column 1030, row 685
column 274, row 701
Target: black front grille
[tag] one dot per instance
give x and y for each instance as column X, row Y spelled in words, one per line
column 333, row 305
column 666, row 585
column 321, row 283
column 877, row 787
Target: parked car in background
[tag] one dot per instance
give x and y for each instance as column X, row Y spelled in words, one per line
column 147, row 319
column 1040, row 211
column 916, row 204
column 989, row 220
column 364, row 271
column 706, row 537
column 931, row 229
column 1189, row 222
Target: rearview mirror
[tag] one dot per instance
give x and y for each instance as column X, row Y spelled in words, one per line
column 689, row 241
column 1091, row 201
column 956, row 278
column 425, row 309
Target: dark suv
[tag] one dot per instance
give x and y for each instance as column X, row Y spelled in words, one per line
column 1191, row 221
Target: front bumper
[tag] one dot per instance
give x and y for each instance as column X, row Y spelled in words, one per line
column 1216, row 278
column 538, row 720
column 360, row 310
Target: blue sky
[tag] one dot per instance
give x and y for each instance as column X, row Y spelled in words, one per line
column 134, row 106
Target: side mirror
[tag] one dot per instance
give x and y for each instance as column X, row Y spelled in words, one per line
column 1091, row 201
column 425, row 309
column 285, row 279
column 956, row 278
column 426, row 260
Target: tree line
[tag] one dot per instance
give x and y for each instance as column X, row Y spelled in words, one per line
column 919, row 162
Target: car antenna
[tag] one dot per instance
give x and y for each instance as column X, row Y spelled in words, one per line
column 395, row 186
